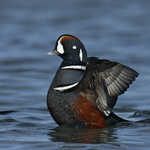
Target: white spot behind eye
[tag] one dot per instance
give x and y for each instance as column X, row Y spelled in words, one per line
column 74, row 47
column 60, row 48
column 81, row 55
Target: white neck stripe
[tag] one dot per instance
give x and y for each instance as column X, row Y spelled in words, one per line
column 75, row 67
column 63, row 88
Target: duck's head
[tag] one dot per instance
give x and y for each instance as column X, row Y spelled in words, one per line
column 70, row 48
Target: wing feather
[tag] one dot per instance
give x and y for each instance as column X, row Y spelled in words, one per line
column 111, row 79
column 118, row 78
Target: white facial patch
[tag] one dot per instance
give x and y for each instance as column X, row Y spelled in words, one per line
column 81, row 55
column 74, row 47
column 60, row 48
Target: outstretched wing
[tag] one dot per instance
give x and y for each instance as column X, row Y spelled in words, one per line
column 116, row 77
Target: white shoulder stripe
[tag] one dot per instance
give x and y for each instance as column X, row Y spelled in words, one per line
column 81, row 55
column 75, row 67
column 63, row 88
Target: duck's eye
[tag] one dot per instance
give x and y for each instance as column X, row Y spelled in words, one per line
column 74, row 47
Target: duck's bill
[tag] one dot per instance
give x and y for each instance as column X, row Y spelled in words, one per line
column 53, row 52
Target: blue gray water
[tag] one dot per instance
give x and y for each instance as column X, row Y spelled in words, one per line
column 116, row 30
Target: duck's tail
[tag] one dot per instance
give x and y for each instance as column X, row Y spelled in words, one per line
column 114, row 119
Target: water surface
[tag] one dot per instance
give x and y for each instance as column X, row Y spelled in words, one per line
column 116, row 30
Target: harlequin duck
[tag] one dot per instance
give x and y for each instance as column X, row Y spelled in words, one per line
column 85, row 89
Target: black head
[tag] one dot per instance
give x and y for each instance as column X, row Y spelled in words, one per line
column 70, row 49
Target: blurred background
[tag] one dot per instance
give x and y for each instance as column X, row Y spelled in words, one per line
column 115, row 30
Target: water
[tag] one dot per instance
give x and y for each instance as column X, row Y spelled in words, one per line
column 116, row 30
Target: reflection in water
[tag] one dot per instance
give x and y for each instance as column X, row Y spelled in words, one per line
column 92, row 136
column 82, row 135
